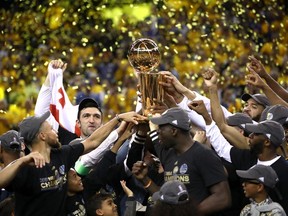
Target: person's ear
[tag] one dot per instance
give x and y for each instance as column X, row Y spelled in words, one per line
column 99, row 212
column 174, row 131
column 78, row 123
column 267, row 142
column 261, row 187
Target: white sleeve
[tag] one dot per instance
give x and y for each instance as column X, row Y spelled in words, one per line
column 96, row 155
column 43, row 105
column 194, row 116
column 218, row 141
column 208, row 104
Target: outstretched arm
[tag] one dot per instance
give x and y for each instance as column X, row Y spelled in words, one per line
column 254, row 79
column 258, row 68
column 101, row 133
column 230, row 133
column 55, row 69
column 10, row 171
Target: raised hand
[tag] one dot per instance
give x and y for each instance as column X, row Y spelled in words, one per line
column 127, row 190
column 140, row 170
column 257, row 66
column 132, row 117
column 200, row 136
column 254, row 78
column 210, row 77
column 171, row 80
column 128, row 131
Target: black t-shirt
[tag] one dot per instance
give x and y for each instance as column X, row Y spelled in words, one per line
column 42, row 191
column 75, row 205
column 243, row 159
column 65, row 136
column 198, row 168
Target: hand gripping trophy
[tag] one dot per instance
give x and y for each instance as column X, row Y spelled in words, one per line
column 144, row 57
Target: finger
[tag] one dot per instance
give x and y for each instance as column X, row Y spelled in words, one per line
column 251, row 69
column 64, row 67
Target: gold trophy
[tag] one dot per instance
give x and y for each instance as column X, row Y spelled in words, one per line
column 144, row 57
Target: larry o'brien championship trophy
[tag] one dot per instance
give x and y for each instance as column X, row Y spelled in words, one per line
column 144, row 57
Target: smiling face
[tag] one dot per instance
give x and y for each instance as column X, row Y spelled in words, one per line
column 253, row 109
column 90, row 119
column 108, row 208
column 74, row 183
column 165, row 136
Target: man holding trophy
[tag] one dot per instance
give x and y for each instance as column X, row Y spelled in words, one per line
column 182, row 158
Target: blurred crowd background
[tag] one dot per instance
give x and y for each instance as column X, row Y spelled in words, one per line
column 94, row 36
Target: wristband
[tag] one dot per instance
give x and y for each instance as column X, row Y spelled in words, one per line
column 118, row 118
column 81, row 169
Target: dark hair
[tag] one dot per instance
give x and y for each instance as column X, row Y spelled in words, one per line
column 164, row 209
column 95, row 202
column 7, row 206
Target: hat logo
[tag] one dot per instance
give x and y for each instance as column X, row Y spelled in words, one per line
column 269, row 116
column 175, row 122
column 269, row 136
column 261, row 179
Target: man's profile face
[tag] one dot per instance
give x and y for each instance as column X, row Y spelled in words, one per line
column 256, row 142
column 51, row 135
column 165, row 136
column 90, row 119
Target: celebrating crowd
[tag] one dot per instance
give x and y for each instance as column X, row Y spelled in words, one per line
column 73, row 136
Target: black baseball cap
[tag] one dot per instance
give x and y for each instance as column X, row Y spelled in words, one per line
column 11, row 140
column 263, row 174
column 259, row 98
column 271, row 129
column 238, row 119
column 278, row 113
column 87, row 102
column 172, row 192
column 29, row 127
column 174, row 116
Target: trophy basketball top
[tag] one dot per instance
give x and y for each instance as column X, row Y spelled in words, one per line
column 144, row 55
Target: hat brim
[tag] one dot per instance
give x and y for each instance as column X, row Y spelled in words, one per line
column 254, row 128
column 246, row 97
column 159, row 120
column 244, row 174
column 44, row 117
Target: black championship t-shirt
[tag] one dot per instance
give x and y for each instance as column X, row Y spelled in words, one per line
column 42, row 191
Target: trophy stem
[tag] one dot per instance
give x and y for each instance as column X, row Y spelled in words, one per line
column 150, row 89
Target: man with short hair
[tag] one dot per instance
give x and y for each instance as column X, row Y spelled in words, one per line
column 41, row 189
column 186, row 160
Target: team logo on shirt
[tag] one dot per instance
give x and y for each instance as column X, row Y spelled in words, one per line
column 55, row 180
column 175, row 170
column 183, row 168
